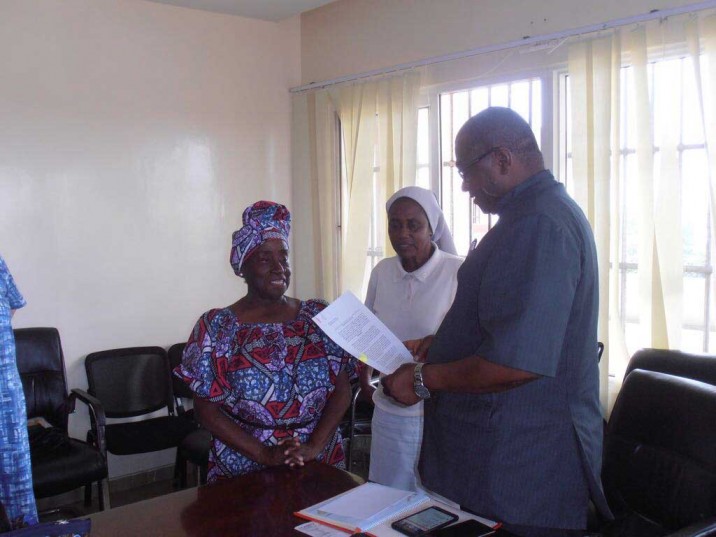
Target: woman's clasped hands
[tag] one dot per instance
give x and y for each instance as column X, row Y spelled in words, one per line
column 291, row 452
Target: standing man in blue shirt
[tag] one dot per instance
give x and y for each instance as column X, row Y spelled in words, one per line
column 513, row 427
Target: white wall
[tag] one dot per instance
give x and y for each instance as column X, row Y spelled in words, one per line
column 132, row 135
column 354, row 36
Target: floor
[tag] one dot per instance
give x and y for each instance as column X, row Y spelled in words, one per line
column 117, row 499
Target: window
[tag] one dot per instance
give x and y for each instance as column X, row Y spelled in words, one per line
column 422, row 169
column 466, row 220
column 665, row 76
column 376, row 248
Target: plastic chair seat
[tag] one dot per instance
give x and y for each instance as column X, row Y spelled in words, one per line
column 149, row 435
column 59, row 463
column 81, row 464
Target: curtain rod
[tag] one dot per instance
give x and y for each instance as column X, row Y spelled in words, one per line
column 527, row 40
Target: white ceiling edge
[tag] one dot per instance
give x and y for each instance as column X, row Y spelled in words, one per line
column 268, row 10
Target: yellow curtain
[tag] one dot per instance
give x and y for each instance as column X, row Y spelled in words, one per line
column 599, row 109
column 704, row 32
column 595, row 88
column 325, row 194
column 379, row 129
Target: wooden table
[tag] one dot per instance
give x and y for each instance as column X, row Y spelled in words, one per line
column 255, row 505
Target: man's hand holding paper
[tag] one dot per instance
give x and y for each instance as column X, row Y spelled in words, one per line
column 399, row 385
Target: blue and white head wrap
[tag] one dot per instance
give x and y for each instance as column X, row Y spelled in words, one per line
column 262, row 221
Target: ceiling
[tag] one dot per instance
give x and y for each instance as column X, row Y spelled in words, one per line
column 269, row 10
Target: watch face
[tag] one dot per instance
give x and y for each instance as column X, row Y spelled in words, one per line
column 421, row 391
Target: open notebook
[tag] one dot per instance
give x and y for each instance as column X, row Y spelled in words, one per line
column 365, row 507
column 370, row 508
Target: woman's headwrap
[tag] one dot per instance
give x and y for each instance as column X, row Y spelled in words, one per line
column 262, row 221
column 427, row 200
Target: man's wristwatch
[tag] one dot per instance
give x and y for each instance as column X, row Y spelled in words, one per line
column 420, row 388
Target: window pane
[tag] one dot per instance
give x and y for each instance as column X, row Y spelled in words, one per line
column 479, row 100
column 692, row 127
column 465, row 220
column 695, row 206
column 676, row 119
column 520, row 98
column 694, row 304
column 423, row 179
column 423, row 153
column 423, row 138
column 500, row 95
column 536, row 109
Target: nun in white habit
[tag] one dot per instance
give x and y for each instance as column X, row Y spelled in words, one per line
column 410, row 293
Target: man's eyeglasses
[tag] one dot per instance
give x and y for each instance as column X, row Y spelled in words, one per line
column 462, row 168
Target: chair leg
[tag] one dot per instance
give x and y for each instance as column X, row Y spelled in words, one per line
column 88, row 494
column 180, row 470
column 202, row 469
column 103, row 493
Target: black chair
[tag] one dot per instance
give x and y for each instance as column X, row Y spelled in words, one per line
column 682, row 364
column 133, row 382
column 66, row 463
column 194, row 448
column 659, row 470
column 356, row 430
column 181, row 391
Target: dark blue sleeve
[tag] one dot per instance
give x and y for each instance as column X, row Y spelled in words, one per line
column 526, row 295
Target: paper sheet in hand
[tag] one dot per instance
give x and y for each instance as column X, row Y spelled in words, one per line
column 357, row 330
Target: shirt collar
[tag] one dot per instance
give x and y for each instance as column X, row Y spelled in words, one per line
column 543, row 177
column 424, row 272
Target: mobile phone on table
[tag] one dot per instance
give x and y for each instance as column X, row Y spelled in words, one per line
column 423, row 522
column 466, row 528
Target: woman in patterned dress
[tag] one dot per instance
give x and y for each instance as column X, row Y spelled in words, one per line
column 15, row 467
column 269, row 385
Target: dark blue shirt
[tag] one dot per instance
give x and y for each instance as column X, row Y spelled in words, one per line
column 527, row 298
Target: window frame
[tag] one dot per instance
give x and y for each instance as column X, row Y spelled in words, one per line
column 549, row 136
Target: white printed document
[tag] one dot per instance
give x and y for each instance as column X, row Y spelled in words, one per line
column 357, row 330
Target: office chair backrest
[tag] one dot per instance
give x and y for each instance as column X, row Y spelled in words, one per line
column 660, row 449
column 700, row 367
column 180, row 388
column 42, row 371
column 130, row 381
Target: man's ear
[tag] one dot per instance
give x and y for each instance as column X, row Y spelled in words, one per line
column 504, row 159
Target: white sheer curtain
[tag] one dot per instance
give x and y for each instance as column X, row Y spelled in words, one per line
column 605, row 105
column 595, row 88
column 705, row 33
column 378, row 130
column 324, row 158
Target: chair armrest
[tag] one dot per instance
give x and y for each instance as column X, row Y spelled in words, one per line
column 98, row 419
column 705, row 528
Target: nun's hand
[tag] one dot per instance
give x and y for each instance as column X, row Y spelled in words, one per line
column 419, row 347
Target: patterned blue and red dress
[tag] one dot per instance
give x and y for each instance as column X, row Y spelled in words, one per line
column 272, row 379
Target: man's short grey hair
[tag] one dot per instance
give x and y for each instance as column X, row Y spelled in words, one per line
column 502, row 127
